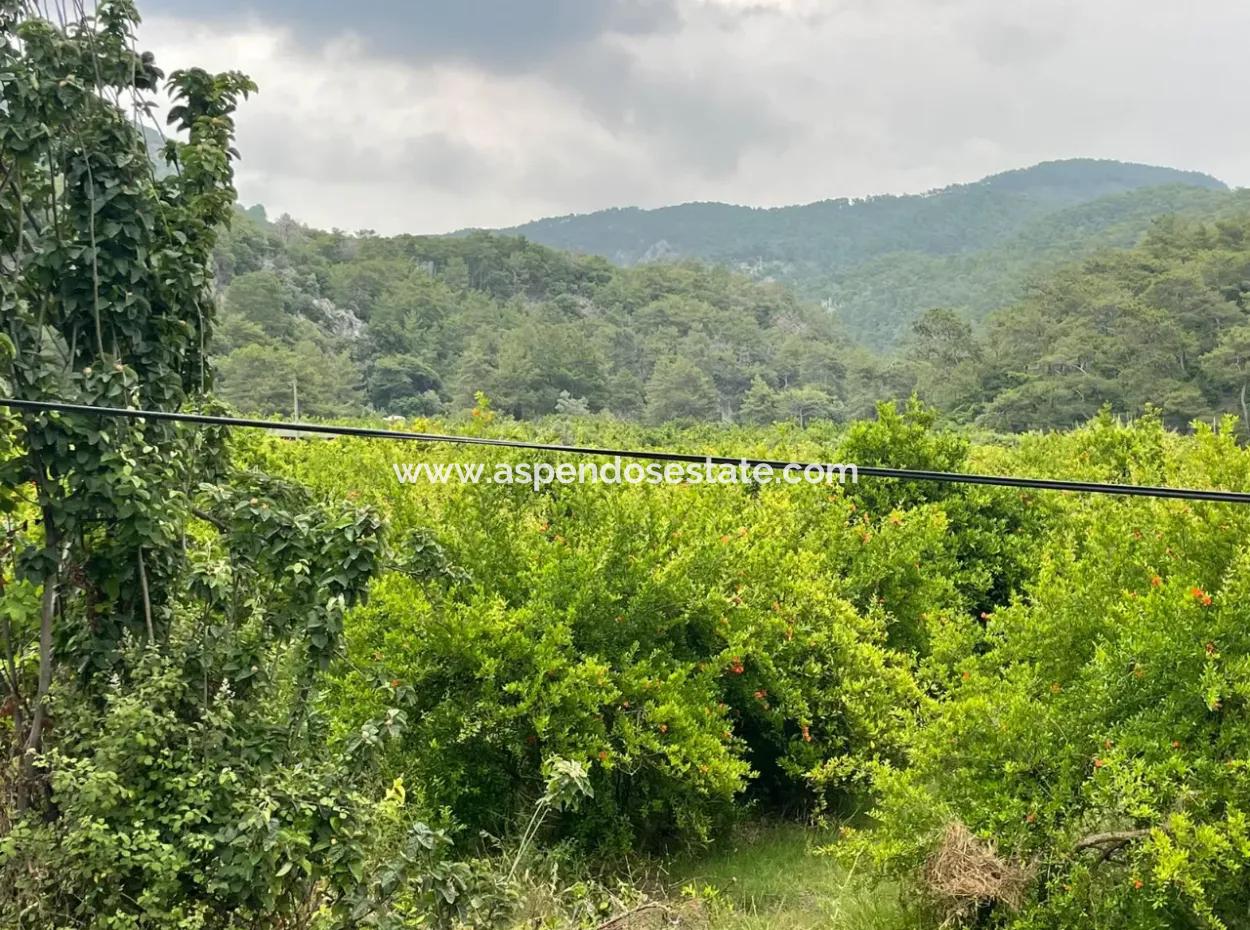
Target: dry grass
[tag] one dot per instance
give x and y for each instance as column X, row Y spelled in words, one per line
column 965, row 873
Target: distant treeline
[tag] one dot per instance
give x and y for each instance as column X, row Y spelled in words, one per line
column 417, row 325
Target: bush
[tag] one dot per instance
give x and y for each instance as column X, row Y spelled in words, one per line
column 693, row 647
column 1100, row 733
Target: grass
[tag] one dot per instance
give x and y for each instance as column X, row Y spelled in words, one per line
column 769, row 875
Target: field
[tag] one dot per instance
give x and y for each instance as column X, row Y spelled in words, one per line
column 1043, row 667
column 251, row 681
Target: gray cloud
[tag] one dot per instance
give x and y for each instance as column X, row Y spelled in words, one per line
column 428, row 117
column 506, row 35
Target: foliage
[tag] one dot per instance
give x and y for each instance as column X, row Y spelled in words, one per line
column 426, row 322
column 423, row 323
column 880, row 262
column 1095, row 729
column 165, row 620
column 675, row 640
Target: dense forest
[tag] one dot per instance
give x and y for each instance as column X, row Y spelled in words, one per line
column 253, row 682
column 877, row 263
column 415, row 325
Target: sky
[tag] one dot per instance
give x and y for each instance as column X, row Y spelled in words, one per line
column 426, row 116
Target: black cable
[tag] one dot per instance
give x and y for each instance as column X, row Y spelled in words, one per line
column 873, row 471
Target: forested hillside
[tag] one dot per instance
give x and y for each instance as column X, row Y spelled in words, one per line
column 418, row 325
column 881, row 261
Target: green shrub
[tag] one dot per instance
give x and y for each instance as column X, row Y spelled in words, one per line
column 1100, row 733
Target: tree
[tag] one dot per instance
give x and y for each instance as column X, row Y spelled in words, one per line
column 268, row 379
column 257, row 298
column 679, row 390
column 760, row 404
column 942, row 337
column 568, row 405
column 168, row 622
column 1228, row 366
column 807, row 404
column 399, row 378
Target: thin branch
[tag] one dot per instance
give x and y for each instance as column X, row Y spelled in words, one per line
column 209, row 518
column 147, row 600
column 51, row 581
column 1110, row 841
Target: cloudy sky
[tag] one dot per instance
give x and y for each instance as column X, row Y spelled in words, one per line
column 432, row 115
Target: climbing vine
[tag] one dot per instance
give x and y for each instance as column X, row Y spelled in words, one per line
column 164, row 620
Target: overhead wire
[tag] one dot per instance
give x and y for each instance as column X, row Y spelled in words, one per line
column 873, row 471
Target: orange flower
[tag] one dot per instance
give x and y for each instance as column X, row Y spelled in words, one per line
column 724, row 539
column 1155, row 581
column 1137, row 883
column 663, row 727
column 1099, row 763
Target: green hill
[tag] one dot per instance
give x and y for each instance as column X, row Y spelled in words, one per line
column 879, row 262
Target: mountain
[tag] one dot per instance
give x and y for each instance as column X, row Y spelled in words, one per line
column 1137, row 297
column 879, row 262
